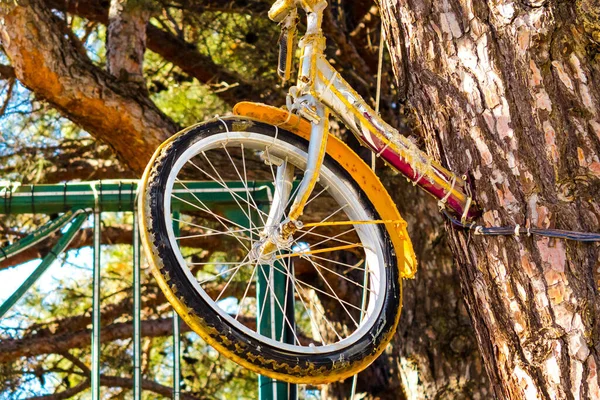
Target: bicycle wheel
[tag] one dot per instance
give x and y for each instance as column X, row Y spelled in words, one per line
column 318, row 309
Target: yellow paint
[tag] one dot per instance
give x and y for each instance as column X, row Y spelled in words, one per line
column 317, row 251
column 417, row 166
column 368, row 182
column 360, row 172
column 337, row 223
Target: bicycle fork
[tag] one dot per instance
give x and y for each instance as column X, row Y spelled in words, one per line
column 275, row 234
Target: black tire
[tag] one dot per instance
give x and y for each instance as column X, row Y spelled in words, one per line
column 260, row 357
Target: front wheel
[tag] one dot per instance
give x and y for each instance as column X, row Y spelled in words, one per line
column 321, row 306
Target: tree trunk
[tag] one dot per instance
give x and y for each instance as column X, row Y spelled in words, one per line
column 56, row 69
column 508, row 93
column 434, row 353
column 126, row 40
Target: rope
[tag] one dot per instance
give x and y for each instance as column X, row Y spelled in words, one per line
column 442, row 202
column 379, row 69
column 337, row 223
column 374, row 156
column 378, row 93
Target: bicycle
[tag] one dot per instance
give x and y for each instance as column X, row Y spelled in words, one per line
column 329, row 218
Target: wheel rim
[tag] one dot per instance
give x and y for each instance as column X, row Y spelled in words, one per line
column 311, row 313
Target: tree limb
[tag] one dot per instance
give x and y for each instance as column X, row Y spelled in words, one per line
column 65, row 394
column 51, row 66
column 70, row 160
column 36, row 344
column 114, row 234
column 115, row 381
column 7, row 72
column 175, row 50
column 126, row 41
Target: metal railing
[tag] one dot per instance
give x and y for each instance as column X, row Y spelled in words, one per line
column 77, row 202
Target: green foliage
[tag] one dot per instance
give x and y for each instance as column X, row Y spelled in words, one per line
column 34, row 137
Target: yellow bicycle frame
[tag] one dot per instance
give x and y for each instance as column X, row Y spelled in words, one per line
column 319, row 84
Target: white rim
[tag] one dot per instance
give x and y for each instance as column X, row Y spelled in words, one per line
column 343, row 194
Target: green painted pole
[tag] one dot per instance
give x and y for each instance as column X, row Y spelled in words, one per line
column 95, row 372
column 176, row 333
column 58, row 248
column 275, row 314
column 116, row 196
column 35, row 237
column 137, row 334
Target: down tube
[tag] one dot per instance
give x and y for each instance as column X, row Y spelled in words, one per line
column 396, row 149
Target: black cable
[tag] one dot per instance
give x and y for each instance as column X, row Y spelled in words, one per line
column 512, row 231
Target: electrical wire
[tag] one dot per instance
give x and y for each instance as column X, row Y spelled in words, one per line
column 517, row 230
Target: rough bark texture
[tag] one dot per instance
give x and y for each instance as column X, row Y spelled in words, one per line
column 509, row 92
column 50, row 64
column 126, row 40
column 435, row 349
column 434, row 354
column 181, row 53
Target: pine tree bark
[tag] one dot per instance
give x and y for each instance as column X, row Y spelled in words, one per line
column 48, row 61
column 508, row 93
column 126, row 40
column 434, row 354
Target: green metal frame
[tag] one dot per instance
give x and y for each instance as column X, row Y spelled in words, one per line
column 76, row 219
column 76, row 201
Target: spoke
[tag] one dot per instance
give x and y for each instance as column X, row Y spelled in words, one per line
column 234, row 195
column 297, row 284
column 278, row 303
column 212, row 278
column 207, row 210
column 246, row 291
column 212, row 229
column 285, row 301
column 321, row 291
column 262, row 310
column 325, row 250
column 316, row 195
column 231, row 278
column 348, row 266
column 363, row 302
column 343, row 277
column 333, row 291
column 308, row 312
column 327, row 237
column 244, row 182
column 246, row 185
column 216, row 233
column 220, row 219
column 325, row 219
column 289, row 202
column 216, row 262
